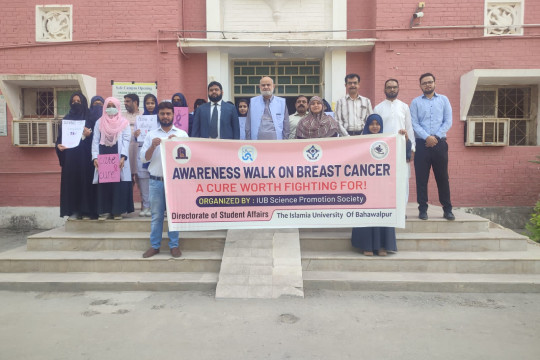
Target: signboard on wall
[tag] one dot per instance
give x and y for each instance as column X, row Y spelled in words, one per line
column 119, row 89
column 3, row 116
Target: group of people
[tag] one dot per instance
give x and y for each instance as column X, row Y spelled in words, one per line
column 263, row 117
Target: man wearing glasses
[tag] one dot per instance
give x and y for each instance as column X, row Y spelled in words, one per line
column 431, row 116
column 352, row 109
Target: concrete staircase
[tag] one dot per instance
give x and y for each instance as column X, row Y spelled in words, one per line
column 469, row 254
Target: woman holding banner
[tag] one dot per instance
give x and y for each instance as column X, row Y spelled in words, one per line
column 77, row 194
column 110, row 148
column 372, row 240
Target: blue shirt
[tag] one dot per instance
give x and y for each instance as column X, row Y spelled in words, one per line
column 431, row 116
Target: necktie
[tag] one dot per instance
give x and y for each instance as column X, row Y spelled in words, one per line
column 213, row 123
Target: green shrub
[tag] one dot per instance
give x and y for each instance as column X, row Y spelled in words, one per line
column 533, row 227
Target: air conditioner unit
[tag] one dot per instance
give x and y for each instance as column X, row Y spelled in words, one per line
column 487, row 132
column 35, row 133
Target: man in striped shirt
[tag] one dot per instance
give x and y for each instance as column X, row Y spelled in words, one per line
column 353, row 109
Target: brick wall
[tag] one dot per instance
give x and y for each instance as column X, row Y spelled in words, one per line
column 136, row 41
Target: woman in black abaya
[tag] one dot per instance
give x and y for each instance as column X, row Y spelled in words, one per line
column 77, row 193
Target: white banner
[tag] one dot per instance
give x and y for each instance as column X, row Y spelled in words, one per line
column 119, row 89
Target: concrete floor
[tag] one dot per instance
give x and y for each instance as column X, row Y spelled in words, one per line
column 323, row 325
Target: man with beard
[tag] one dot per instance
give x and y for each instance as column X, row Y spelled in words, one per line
column 131, row 103
column 267, row 117
column 431, row 116
column 301, row 111
column 216, row 119
column 397, row 120
column 352, row 110
column 150, row 152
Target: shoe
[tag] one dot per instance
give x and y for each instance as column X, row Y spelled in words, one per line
column 449, row 216
column 175, row 252
column 86, row 218
column 142, row 213
column 368, row 253
column 150, row 252
column 118, row 217
column 423, row 215
column 148, row 213
column 382, row 252
column 103, row 217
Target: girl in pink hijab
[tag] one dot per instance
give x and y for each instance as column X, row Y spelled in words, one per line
column 112, row 135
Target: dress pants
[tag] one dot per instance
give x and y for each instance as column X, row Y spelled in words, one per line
column 437, row 158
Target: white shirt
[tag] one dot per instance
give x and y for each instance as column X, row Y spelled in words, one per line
column 155, row 168
column 396, row 116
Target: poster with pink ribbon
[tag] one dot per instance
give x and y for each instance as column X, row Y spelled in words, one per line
column 338, row 182
column 181, row 118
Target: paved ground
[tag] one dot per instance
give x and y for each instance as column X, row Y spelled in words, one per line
column 324, row 325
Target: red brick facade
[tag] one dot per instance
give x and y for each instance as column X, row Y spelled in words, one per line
column 137, row 41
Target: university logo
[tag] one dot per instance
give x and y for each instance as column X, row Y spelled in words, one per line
column 379, row 150
column 181, row 154
column 313, row 152
column 247, row 154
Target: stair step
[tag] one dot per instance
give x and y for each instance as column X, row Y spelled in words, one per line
column 130, row 222
column 19, row 260
column 424, row 282
column 492, row 240
column 62, row 240
column 488, row 262
column 116, row 281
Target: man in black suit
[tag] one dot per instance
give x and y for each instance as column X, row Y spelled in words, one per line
column 216, row 119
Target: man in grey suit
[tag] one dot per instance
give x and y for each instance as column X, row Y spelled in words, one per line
column 216, row 119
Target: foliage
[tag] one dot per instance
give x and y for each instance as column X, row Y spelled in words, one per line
column 533, row 227
column 536, row 161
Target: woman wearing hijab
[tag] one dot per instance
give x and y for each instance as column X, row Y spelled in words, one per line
column 77, row 194
column 112, row 135
column 150, row 108
column 243, row 106
column 96, row 109
column 372, row 240
column 316, row 124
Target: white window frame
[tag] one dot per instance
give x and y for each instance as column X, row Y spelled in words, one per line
column 492, row 117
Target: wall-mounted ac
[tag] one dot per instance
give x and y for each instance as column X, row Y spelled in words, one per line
column 486, row 131
column 35, row 133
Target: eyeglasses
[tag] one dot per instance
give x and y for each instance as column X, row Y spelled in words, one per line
column 427, row 83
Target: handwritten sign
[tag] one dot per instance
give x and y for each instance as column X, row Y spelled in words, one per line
column 72, row 132
column 181, row 118
column 109, row 168
column 146, row 123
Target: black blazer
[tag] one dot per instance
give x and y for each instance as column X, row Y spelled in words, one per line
column 229, row 125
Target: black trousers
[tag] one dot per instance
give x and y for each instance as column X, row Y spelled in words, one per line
column 437, row 158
